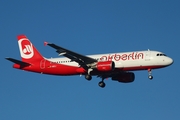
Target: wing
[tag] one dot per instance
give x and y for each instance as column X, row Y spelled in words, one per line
column 82, row 60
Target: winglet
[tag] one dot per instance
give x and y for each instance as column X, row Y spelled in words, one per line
column 45, row 43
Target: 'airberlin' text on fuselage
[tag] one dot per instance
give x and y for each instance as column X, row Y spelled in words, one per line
column 118, row 57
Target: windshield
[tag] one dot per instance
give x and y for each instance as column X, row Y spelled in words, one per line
column 161, row 54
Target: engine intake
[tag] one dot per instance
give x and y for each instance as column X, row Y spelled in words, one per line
column 105, row 66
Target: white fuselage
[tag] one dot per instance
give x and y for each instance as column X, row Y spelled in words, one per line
column 117, row 66
column 126, row 59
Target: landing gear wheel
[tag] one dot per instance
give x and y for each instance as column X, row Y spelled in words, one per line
column 101, row 84
column 150, row 77
column 88, row 77
column 150, row 74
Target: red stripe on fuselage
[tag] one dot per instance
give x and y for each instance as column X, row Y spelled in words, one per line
column 60, row 69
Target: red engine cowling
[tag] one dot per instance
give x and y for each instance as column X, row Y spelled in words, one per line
column 124, row 77
column 105, row 66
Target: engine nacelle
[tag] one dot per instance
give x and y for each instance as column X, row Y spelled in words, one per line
column 124, row 77
column 105, row 66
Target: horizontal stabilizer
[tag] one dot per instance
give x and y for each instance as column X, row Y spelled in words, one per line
column 18, row 62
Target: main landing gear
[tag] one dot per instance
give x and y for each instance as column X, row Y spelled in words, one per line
column 150, row 74
column 88, row 76
column 101, row 83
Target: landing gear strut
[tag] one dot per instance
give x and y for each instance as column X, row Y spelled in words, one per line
column 150, row 74
column 88, row 76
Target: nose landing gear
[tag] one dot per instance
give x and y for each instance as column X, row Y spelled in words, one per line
column 150, row 74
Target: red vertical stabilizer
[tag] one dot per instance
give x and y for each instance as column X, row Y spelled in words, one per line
column 27, row 50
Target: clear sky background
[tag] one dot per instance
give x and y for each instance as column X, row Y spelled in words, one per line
column 90, row 27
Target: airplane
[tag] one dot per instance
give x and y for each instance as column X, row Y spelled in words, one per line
column 117, row 66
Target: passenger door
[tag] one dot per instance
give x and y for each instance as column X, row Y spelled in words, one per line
column 148, row 56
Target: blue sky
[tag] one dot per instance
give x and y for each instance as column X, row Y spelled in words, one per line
column 90, row 27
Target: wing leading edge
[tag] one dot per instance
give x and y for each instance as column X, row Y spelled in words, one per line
column 82, row 60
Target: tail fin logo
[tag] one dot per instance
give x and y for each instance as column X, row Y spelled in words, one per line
column 26, row 48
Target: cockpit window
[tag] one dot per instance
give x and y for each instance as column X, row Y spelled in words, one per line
column 164, row 54
column 161, row 54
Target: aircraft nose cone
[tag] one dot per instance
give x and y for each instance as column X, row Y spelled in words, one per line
column 170, row 61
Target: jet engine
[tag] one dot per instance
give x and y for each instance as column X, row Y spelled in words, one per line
column 124, row 77
column 105, row 66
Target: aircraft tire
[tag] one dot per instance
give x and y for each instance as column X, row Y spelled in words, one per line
column 101, row 84
column 88, row 77
column 150, row 77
